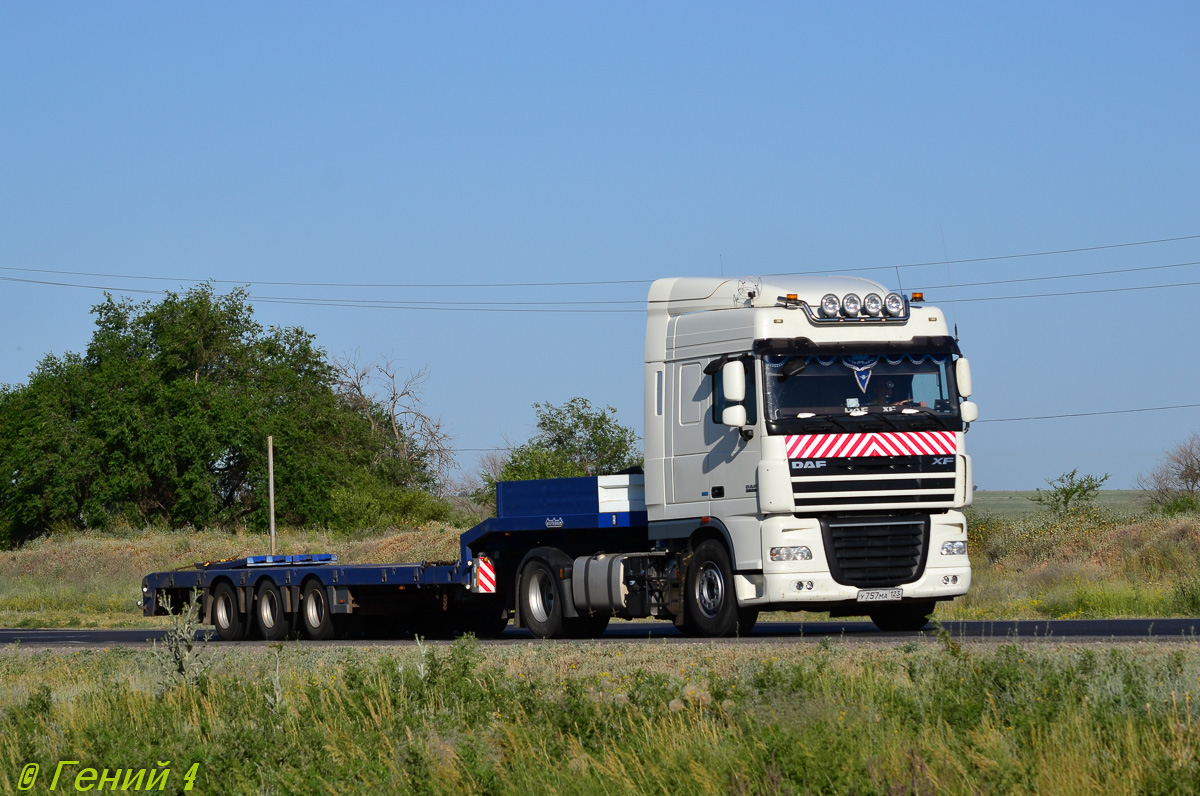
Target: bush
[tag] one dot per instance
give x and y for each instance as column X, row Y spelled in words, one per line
column 1180, row 504
column 1069, row 491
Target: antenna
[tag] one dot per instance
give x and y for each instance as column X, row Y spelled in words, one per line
column 950, row 276
column 899, row 282
column 722, row 265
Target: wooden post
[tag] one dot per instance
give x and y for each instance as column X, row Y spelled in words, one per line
column 271, row 487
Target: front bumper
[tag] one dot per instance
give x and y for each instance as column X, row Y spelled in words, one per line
column 795, row 583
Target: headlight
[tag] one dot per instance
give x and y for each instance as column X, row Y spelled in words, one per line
column 851, row 304
column 954, row 549
column 830, row 306
column 894, row 304
column 791, row 554
column 872, row 304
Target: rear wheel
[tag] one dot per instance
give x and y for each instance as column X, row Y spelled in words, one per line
column 273, row 623
column 538, row 594
column 906, row 616
column 230, row 624
column 314, row 612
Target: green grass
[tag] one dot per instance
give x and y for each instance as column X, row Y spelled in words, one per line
column 579, row 718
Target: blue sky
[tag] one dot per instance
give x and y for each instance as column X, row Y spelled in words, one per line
column 466, row 143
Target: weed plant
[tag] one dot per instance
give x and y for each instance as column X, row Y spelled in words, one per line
column 579, row 718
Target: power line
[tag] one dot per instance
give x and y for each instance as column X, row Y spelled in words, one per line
column 576, row 306
column 581, row 283
column 1089, row 414
column 1064, row 276
column 1029, row 254
column 1073, row 293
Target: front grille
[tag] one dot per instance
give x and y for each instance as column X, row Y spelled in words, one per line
column 874, row 483
column 875, row 552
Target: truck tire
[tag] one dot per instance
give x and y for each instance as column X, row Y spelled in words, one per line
column 747, row 619
column 541, row 600
column 710, row 606
column 273, row 624
column 906, row 616
column 231, row 625
column 315, row 617
column 585, row 626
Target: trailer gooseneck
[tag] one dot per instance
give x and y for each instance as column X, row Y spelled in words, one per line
column 804, row 451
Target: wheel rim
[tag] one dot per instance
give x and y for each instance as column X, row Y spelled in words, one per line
column 314, row 608
column 710, row 589
column 224, row 611
column 268, row 609
column 539, row 597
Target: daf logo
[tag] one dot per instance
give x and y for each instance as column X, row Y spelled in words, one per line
column 811, row 464
column 942, row 459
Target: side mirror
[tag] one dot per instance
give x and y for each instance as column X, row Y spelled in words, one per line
column 967, row 410
column 734, row 416
column 962, row 373
column 733, row 382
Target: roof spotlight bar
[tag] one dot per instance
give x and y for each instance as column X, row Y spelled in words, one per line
column 869, row 308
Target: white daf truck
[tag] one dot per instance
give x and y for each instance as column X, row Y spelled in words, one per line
column 807, row 439
column 804, row 451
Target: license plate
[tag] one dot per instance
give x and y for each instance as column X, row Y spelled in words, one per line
column 879, row 595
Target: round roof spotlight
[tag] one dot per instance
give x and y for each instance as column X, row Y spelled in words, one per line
column 851, row 305
column 872, row 304
column 830, row 306
column 893, row 304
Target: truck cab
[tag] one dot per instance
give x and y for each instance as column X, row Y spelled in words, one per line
column 813, row 430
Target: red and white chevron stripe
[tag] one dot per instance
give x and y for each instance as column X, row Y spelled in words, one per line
column 485, row 576
column 898, row 443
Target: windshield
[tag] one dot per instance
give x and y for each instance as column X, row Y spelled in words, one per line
column 906, row 391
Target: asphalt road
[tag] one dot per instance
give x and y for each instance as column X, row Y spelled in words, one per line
column 1072, row 630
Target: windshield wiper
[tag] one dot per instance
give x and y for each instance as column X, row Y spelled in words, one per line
column 832, row 420
column 909, row 411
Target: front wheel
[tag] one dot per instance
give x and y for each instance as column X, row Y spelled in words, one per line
column 538, row 594
column 906, row 616
column 710, row 606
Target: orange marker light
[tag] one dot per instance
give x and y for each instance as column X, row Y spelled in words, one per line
column 793, row 297
column 918, row 296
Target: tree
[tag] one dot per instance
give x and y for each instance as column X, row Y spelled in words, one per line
column 574, row 439
column 1174, row 485
column 164, row 419
column 1069, row 491
column 412, row 448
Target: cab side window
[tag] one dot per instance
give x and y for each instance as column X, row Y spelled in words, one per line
column 751, row 402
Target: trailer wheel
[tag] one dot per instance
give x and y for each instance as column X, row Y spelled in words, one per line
column 273, row 623
column 710, row 605
column 314, row 612
column 541, row 608
column 231, row 625
column 592, row 626
column 895, row 618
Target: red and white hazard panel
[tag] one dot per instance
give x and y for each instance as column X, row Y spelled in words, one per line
column 485, row 576
column 915, row 443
